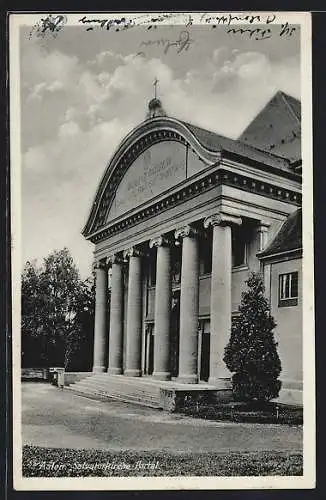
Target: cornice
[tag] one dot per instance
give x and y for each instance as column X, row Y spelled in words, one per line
column 199, row 186
column 279, row 256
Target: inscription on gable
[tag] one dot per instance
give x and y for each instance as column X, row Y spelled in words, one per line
column 155, row 171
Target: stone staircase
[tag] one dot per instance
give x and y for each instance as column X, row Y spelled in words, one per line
column 103, row 386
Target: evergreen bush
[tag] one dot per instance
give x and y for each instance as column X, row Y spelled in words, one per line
column 251, row 354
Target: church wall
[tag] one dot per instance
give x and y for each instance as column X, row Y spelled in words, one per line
column 204, row 295
column 238, row 286
column 150, row 303
column 288, row 332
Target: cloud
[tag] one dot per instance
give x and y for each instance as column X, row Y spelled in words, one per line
column 75, row 113
column 69, row 129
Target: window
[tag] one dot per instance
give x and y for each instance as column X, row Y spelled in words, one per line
column 288, row 289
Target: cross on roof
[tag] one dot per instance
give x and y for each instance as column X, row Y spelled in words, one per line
column 155, row 82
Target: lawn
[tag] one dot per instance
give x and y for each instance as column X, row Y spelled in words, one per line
column 263, row 413
column 60, row 462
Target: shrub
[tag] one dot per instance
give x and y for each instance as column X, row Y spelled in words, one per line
column 251, row 354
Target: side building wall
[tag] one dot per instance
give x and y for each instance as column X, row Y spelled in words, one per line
column 288, row 332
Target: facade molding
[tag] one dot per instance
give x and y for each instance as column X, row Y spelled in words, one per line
column 218, row 177
column 280, row 256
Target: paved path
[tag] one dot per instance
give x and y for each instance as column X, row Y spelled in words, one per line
column 57, row 418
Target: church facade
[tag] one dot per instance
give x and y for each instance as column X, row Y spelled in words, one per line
column 180, row 219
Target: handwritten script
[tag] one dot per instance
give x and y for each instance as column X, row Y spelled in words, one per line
column 256, row 27
column 50, row 24
column 183, row 42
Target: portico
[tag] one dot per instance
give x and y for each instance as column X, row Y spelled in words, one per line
column 132, row 264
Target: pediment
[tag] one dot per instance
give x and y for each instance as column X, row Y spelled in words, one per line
column 152, row 160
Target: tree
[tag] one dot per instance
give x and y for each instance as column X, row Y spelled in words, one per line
column 251, row 354
column 79, row 347
column 31, row 322
column 55, row 303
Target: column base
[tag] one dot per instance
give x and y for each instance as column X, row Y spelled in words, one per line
column 99, row 369
column 220, row 383
column 114, row 371
column 187, row 379
column 132, row 373
column 161, row 375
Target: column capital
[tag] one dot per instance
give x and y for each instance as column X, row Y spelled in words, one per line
column 222, row 219
column 262, row 233
column 132, row 252
column 115, row 258
column 263, row 226
column 160, row 241
column 186, row 231
column 99, row 264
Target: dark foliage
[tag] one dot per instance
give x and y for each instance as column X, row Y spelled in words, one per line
column 57, row 314
column 251, row 354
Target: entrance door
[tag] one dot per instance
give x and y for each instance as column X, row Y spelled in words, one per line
column 204, row 356
column 174, row 338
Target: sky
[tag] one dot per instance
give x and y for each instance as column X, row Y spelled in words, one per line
column 83, row 91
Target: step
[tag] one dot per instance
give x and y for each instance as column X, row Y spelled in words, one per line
column 119, row 389
column 134, row 390
column 120, row 385
column 97, row 395
column 130, row 380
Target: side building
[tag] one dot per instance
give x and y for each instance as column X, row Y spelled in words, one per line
column 180, row 218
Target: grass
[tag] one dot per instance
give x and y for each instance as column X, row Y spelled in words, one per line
column 61, row 462
column 265, row 413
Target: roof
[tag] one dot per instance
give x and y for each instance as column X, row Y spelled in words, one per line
column 216, row 142
column 277, row 128
column 289, row 236
column 273, row 137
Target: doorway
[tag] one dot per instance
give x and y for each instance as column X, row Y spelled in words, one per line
column 204, row 356
column 149, row 350
column 174, row 338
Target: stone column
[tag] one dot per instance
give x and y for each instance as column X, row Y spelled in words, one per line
column 189, row 299
column 262, row 233
column 116, row 316
column 265, row 269
column 100, row 326
column 163, row 299
column 220, row 303
column 262, row 238
column 134, row 314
